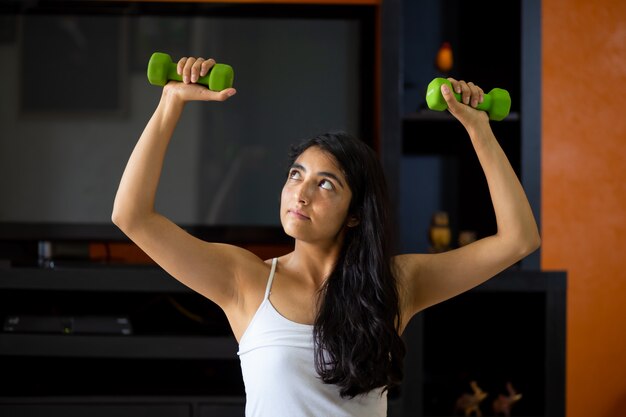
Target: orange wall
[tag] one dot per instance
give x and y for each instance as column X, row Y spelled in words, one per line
column 584, row 192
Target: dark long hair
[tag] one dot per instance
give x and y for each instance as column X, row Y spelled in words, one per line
column 357, row 345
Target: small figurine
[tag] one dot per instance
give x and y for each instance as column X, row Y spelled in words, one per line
column 470, row 403
column 502, row 405
column 439, row 233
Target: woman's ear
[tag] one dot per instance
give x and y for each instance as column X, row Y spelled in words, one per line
column 352, row 221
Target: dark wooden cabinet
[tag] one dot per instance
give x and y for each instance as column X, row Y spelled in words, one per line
column 509, row 329
column 179, row 360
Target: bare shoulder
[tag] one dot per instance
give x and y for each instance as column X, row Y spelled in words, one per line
column 252, row 271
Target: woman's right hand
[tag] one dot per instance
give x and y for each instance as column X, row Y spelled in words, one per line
column 191, row 69
column 471, row 96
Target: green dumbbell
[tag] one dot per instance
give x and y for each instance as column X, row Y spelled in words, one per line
column 497, row 102
column 161, row 69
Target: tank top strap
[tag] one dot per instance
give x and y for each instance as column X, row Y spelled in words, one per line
column 268, row 289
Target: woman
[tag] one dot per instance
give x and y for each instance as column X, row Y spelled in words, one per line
column 319, row 329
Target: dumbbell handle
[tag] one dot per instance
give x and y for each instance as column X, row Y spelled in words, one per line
column 172, row 74
column 497, row 103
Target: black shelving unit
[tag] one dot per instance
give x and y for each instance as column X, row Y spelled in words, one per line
column 509, row 329
column 169, row 365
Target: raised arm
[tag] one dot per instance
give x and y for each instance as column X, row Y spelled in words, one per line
column 427, row 279
column 208, row 268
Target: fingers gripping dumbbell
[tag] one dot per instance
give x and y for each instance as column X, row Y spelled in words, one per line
column 161, row 69
column 497, row 103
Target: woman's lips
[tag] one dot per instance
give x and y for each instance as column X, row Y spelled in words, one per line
column 298, row 214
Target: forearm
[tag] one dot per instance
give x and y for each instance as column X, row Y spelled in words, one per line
column 136, row 194
column 514, row 217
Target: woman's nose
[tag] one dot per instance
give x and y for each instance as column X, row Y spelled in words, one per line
column 303, row 193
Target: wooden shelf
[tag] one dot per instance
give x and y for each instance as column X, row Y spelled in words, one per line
column 137, row 347
column 439, row 133
column 122, row 279
column 124, row 406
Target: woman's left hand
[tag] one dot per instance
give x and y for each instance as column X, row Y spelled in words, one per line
column 471, row 96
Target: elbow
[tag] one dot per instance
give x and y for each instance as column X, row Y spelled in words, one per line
column 125, row 223
column 530, row 243
column 117, row 214
column 118, row 219
column 535, row 244
column 121, row 218
column 520, row 245
column 129, row 219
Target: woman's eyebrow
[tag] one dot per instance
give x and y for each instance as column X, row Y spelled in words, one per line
column 321, row 173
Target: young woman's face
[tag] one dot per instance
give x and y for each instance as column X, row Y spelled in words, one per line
column 315, row 198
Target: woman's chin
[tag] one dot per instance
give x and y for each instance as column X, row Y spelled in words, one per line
column 294, row 232
column 297, row 231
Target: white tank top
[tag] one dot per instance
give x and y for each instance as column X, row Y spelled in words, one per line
column 277, row 363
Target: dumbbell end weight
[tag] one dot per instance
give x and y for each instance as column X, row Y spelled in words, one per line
column 434, row 98
column 497, row 103
column 158, row 69
column 220, row 77
column 161, row 69
column 500, row 104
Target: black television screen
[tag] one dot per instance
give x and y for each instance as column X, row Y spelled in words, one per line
column 75, row 99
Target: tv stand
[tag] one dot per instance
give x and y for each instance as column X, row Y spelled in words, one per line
column 170, row 365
